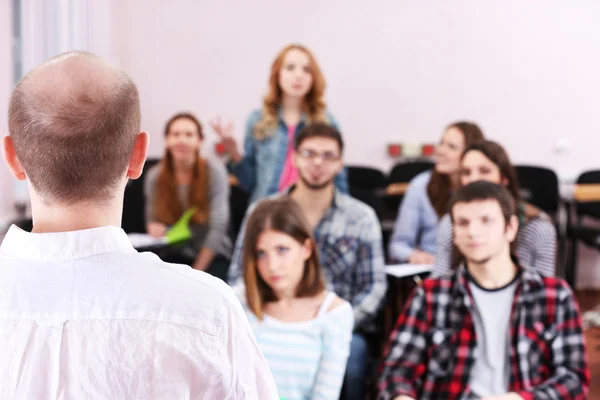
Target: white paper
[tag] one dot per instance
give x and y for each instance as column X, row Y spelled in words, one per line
column 144, row 240
column 404, row 270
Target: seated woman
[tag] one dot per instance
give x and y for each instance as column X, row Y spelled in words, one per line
column 427, row 197
column 185, row 180
column 535, row 244
column 303, row 329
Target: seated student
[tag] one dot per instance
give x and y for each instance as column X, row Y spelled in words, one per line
column 347, row 235
column 535, row 244
column 492, row 329
column 426, row 198
column 182, row 180
column 303, row 329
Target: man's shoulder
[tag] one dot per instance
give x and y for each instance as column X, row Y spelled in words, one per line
column 356, row 209
column 440, row 283
column 546, row 286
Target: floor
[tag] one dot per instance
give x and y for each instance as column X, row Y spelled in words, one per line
column 589, row 299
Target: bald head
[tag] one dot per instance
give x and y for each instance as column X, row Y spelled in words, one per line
column 73, row 123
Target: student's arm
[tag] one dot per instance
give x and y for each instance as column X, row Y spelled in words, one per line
column 405, row 355
column 444, row 246
column 571, row 380
column 408, row 222
column 218, row 219
column 542, row 246
column 370, row 278
column 245, row 169
column 336, row 349
column 341, row 179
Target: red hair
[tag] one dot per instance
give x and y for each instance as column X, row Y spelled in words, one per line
column 313, row 105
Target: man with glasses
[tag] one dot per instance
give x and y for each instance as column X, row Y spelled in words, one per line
column 348, row 236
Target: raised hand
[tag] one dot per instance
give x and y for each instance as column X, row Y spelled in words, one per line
column 225, row 132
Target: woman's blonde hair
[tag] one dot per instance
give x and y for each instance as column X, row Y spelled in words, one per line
column 313, row 105
column 282, row 215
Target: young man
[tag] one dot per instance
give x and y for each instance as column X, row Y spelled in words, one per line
column 492, row 329
column 348, row 236
column 82, row 314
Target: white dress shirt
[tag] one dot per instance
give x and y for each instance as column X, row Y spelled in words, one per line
column 83, row 315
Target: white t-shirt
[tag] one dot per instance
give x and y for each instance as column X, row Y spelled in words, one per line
column 85, row 316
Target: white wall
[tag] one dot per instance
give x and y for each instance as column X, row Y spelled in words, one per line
column 397, row 70
column 6, row 193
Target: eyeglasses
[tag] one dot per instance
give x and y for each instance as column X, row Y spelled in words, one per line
column 312, row 155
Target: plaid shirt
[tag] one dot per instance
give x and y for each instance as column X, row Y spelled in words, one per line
column 350, row 248
column 431, row 351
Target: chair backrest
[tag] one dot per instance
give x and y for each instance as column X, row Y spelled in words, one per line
column 238, row 204
column 539, row 186
column 405, row 171
column 134, row 215
column 591, row 209
column 360, row 177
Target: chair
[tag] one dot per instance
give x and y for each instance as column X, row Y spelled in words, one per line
column 366, row 184
column 539, row 186
column 238, row 204
column 576, row 228
column 134, row 215
column 404, row 172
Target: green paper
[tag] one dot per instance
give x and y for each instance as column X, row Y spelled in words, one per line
column 181, row 230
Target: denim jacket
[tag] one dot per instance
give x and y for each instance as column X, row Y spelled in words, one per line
column 260, row 170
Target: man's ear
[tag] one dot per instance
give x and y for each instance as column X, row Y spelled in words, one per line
column 512, row 228
column 138, row 156
column 10, row 156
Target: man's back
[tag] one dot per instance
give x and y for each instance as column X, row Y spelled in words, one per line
column 83, row 315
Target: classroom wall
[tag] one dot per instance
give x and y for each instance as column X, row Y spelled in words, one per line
column 397, row 71
column 5, row 87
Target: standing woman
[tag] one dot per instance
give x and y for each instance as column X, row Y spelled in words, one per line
column 303, row 329
column 294, row 100
column 427, row 196
column 184, row 180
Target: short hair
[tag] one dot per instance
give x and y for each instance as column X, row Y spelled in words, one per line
column 282, row 215
column 319, row 130
column 73, row 122
column 482, row 191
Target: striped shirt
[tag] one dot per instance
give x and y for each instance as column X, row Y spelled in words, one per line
column 535, row 246
column 308, row 358
column 350, row 248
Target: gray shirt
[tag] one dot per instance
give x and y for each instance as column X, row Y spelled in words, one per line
column 214, row 235
column 491, row 316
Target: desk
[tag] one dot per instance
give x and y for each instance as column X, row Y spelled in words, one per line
column 584, row 192
column 402, row 279
column 588, row 192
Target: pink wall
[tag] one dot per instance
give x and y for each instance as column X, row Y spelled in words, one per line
column 5, row 88
column 397, row 71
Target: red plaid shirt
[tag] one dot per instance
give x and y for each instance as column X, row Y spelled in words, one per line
column 547, row 351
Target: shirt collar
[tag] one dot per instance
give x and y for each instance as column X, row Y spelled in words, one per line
column 339, row 198
column 527, row 278
column 64, row 246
